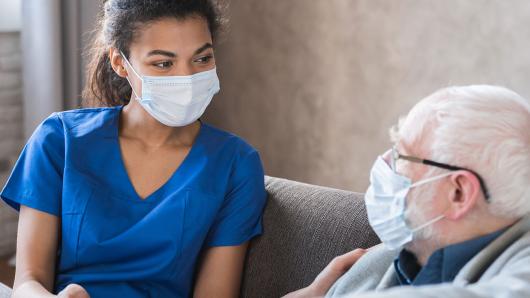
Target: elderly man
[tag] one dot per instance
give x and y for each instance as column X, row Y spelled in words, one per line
column 450, row 203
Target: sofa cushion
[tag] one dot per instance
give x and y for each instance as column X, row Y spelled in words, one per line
column 305, row 227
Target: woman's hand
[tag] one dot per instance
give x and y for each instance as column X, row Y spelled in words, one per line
column 323, row 282
column 73, row 291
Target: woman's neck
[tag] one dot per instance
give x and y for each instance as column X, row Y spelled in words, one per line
column 137, row 123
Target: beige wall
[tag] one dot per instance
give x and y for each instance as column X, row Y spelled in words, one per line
column 315, row 85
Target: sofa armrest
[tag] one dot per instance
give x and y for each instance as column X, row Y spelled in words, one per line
column 5, row 291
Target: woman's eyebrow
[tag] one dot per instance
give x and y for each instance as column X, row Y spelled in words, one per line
column 204, row 48
column 162, row 52
column 173, row 55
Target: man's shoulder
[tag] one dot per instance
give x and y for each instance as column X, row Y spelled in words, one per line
column 516, row 251
column 503, row 253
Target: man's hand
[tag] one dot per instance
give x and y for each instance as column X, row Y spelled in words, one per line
column 73, row 291
column 323, row 282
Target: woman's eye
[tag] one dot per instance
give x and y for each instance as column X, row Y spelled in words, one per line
column 205, row 59
column 165, row 64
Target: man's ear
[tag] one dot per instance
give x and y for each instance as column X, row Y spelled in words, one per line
column 464, row 194
column 117, row 62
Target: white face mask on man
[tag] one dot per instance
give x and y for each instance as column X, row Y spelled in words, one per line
column 385, row 204
column 176, row 100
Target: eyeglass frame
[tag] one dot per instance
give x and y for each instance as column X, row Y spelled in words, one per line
column 395, row 156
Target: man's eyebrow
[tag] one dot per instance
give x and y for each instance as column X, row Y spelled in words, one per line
column 204, row 48
column 162, row 52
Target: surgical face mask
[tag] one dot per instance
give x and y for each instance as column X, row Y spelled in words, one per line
column 176, row 100
column 385, row 204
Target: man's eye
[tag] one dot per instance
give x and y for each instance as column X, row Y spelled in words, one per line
column 165, row 64
column 204, row 59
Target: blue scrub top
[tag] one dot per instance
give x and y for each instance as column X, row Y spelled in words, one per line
column 113, row 243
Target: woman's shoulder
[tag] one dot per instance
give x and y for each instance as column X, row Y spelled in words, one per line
column 86, row 117
column 76, row 124
column 221, row 139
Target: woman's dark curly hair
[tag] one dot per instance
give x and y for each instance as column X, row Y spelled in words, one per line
column 117, row 26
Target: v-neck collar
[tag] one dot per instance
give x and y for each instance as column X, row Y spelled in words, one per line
column 155, row 195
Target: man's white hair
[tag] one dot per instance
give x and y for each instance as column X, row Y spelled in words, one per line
column 485, row 129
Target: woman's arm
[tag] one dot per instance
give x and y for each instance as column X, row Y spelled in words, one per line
column 36, row 253
column 220, row 272
column 37, row 241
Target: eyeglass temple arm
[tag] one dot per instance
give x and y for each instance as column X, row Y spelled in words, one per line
column 453, row 168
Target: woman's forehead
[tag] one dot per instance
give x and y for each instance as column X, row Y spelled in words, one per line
column 181, row 37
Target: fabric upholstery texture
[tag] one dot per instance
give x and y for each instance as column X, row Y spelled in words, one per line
column 305, row 227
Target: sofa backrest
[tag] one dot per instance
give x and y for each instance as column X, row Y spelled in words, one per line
column 305, row 227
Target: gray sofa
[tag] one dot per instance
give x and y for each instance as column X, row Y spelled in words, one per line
column 305, row 227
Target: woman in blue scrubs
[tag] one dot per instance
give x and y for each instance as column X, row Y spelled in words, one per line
column 138, row 197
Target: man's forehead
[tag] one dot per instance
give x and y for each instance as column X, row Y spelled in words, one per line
column 414, row 146
column 416, row 132
column 408, row 139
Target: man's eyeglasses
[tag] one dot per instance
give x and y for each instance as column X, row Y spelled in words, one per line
column 396, row 156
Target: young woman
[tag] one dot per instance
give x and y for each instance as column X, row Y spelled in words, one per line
column 138, row 198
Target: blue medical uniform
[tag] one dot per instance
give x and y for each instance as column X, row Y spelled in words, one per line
column 116, row 244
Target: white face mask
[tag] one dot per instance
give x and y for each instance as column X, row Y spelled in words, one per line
column 385, row 204
column 177, row 100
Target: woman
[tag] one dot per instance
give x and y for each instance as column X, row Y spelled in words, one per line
column 138, row 198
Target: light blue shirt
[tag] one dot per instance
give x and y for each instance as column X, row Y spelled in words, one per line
column 115, row 244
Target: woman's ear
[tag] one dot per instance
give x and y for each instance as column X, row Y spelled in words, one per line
column 117, row 62
column 464, row 194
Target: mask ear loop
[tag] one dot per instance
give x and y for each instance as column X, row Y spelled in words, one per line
column 425, row 181
column 127, row 77
column 431, row 179
column 430, row 222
